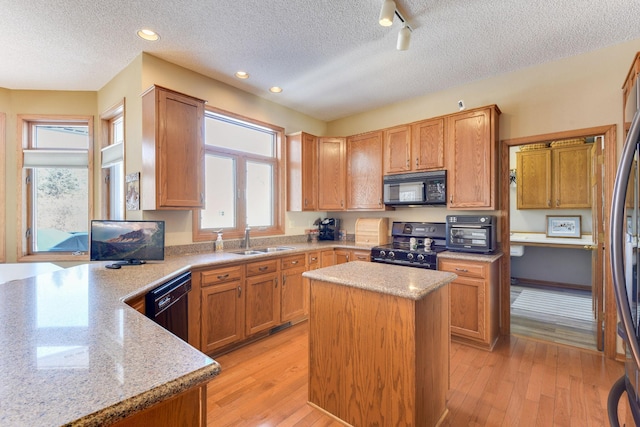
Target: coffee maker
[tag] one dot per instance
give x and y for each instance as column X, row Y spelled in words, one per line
column 328, row 229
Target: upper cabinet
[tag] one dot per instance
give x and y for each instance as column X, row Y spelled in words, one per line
column 332, row 174
column 364, row 172
column 172, row 150
column 302, row 172
column 554, row 178
column 472, row 138
column 415, row 147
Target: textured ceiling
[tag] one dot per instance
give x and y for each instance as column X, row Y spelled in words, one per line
column 330, row 56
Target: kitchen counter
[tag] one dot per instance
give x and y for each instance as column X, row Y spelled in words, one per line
column 379, row 343
column 541, row 239
column 9, row 272
column 74, row 353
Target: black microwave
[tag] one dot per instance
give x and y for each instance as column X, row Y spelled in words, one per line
column 419, row 188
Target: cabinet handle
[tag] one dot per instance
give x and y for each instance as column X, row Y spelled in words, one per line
column 201, row 197
column 294, row 262
column 557, row 202
column 362, row 257
column 284, row 281
column 451, row 199
column 408, row 164
column 314, row 258
column 549, row 203
column 416, row 161
column 342, row 203
column 239, row 291
column 263, row 268
column 276, row 280
column 306, row 202
column 462, row 270
column 347, row 258
column 223, row 276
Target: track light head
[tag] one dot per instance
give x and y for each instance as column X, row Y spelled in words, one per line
column 404, row 37
column 387, row 13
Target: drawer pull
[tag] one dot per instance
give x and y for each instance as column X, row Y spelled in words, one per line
column 223, row 276
column 294, row 262
column 239, row 291
column 263, row 268
column 463, row 270
column 314, row 258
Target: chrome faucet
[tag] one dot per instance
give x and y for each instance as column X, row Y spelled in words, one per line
column 246, row 237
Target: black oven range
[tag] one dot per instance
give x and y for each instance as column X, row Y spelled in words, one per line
column 414, row 244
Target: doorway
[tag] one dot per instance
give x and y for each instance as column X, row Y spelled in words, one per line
column 603, row 327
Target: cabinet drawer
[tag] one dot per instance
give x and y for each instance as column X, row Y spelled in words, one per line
column 360, row 255
column 292, row 261
column 464, row 268
column 262, row 267
column 221, row 275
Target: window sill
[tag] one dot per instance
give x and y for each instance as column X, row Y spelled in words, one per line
column 51, row 257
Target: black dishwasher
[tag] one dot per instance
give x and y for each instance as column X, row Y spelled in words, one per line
column 167, row 305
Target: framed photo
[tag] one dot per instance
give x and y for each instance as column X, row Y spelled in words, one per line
column 564, row 226
column 133, row 191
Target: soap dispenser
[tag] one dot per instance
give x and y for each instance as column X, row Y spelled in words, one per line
column 219, row 244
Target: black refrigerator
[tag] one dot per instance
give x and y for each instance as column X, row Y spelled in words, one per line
column 625, row 258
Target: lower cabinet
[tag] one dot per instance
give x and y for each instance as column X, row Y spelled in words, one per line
column 474, row 301
column 223, row 306
column 293, row 292
column 262, row 310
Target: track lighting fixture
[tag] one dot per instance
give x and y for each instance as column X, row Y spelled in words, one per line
column 387, row 13
column 404, row 37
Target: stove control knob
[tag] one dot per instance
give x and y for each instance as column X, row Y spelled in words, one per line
column 409, row 257
column 420, row 257
column 382, row 253
column 391, row 254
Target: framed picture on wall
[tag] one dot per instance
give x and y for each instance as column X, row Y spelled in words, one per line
column 564, row 226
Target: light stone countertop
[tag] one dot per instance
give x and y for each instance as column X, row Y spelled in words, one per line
column 401, row 281
column 73, row 353
column 469, row 256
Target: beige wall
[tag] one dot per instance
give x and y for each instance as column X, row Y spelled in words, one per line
column 577, row 92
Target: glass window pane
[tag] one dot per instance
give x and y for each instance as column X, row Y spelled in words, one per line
column 239, row 136
column 259, row 194
column 60, row 206
column 116, row 191
column 220, row 199
column 65, row 137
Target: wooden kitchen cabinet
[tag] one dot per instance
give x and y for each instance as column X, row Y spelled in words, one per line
column 262, row 311
column 554, row 178
column 342, row 255
column 327, row 258
column 302, row 172
column 360, row 255
column 474, row 301
column 472, row 138
column 223, row 308
column 415, row 147
column 364, row 172
column 293, row 293
column 172, row 150
column 397, row 149
column 332, row 170
column 427, row 145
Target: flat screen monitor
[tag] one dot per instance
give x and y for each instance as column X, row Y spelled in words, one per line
column 127, row 242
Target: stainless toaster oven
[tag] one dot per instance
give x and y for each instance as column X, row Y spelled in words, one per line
column 471, row 233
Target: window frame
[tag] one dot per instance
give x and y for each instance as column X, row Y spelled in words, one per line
column 107, row 118
column 25, row 122
column 3, row 196
column 199, row 234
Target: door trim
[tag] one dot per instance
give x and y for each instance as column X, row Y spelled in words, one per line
column 610, row 164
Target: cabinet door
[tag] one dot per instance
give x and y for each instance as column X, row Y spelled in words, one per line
column 533, row 179
column 327, row 258
column 427, row 145
column 364, row 172
column 302, row 172
column 222, row 315
column 262, row 304
column 173, row 150
column 332, row 174
column 572, row 176
column 342, row 256
column 293, row 295
column 468, row 308
column 397, row 150
column 471, row 177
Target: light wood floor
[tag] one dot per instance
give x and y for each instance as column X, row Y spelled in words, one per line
column 523, row 382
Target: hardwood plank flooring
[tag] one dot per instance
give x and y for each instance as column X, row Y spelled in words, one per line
column 523, row 382
column 563, row 329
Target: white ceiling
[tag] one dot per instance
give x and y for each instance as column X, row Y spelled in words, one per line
column 331, row 57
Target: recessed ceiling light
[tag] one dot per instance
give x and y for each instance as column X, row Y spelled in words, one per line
column 275, row 89
column 242, row 75
column 149, row 35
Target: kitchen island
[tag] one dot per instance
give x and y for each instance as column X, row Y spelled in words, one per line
column 379, row 343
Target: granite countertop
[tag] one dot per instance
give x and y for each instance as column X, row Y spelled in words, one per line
column 411, row 283
column 72, row 352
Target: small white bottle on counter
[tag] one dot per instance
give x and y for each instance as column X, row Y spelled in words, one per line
column 219, row 243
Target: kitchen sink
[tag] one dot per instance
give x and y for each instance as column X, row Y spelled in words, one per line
column 263, row 250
